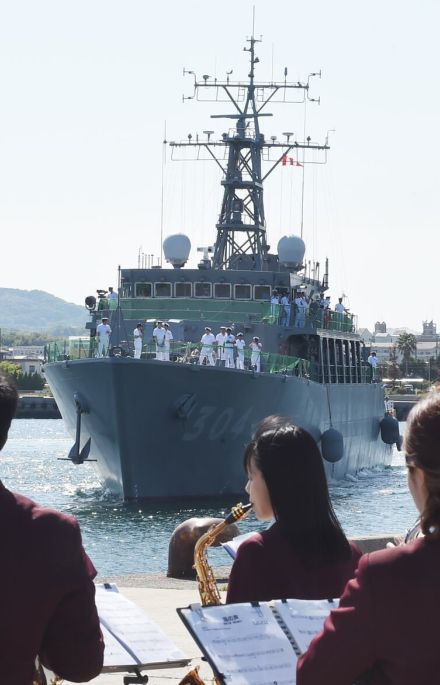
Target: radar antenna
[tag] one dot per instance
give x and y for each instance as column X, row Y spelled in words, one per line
column 241, row 227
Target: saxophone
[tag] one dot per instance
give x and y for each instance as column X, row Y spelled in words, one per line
column 208, row 590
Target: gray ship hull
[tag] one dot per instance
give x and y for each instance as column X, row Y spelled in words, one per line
column 163, row 429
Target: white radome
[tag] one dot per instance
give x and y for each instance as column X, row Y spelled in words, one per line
column 176, row 249
column 291, row 250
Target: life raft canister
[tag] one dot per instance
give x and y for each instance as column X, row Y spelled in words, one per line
column 389, row 431
column 332, row 445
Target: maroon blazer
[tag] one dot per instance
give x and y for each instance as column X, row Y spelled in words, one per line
column 387, row 624
column 267, row 567
column 47, row 594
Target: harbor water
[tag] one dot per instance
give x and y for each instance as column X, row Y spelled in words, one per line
column 126, row 538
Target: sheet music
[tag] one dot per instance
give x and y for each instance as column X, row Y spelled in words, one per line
column 304, row 618
column 232, row 545
column 114, row 653
column 245, row 642
column 130, row 636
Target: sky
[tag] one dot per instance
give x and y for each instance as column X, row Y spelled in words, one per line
column 88, row 89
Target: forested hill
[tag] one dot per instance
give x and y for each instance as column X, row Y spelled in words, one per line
column 36, row 310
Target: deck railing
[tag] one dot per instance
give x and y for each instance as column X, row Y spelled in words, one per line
column 231, row 311
column 188, row 353
column 181, row 352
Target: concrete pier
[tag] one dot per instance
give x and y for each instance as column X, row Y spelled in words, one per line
column 159, row 596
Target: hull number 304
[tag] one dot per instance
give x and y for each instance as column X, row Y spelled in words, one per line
column 213, row 423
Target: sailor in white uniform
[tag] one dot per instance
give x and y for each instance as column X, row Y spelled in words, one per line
column 275, row 305
column 167, row 342
column 256, row 348
column 103, row 331
column 138, row 335
column 207, row 351
column 373, row 362
column 340, row 311
column 112, row 298
column 240, row 345
column 229, row 349
column 301, row 308
column 159, row 339
column 285, row 314
column 220, row 340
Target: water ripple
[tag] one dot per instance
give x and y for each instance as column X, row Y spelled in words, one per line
column 137, row 533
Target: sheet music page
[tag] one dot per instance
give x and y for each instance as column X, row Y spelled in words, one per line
column 232, row 545
column 245, row 642
column 143, row 640
column 304, row 618
column 114, row 653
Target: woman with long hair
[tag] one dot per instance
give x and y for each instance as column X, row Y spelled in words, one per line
column 386, row 627
column 304, row 554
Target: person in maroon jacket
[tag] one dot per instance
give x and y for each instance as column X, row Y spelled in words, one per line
column 304, row 554
column 385, row 631
column 47, row 606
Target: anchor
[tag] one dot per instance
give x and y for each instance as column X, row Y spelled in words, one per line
column 76, row 455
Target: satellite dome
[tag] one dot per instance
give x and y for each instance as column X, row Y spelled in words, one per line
column 176, row 249
column 291, row 250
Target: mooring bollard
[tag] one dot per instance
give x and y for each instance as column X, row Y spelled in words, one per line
column 183, row 541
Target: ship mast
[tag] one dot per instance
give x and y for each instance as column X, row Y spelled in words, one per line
column 241, row 227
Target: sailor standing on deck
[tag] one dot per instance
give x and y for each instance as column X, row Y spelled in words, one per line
column 103, row 331
column 229, row 349
column 301, row 308
column 373, row 362
column 207, row 351
column 340, row 311
column 256, row 348
column 220, row 340
column 274, row 305
column 112, row 298
column 168, row 339
column 285, row 314
column 159, row 339
column 138, row 335
column 240, row 345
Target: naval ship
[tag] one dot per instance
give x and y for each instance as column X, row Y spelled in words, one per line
column 163, row 426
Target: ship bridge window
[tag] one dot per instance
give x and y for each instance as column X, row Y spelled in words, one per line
column 242, row 292
column 222, row 290
column 126, row 290
column 162, row 289
column 182, row 290
column 262, row 292
column 202, row 289
column 143, row 290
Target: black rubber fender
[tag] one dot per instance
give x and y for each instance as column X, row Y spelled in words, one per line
column 332, row 445
column 389, row 430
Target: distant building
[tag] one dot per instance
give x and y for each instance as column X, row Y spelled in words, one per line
column 28, row 350
column 384, row 342
column 28, row 364
column 384, row 351
column 426, row 350
column 366, row 335
column 429, row 333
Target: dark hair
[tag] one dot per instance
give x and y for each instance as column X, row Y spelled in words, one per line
column 422, row 446
column 8, row 405
column 291, row 464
